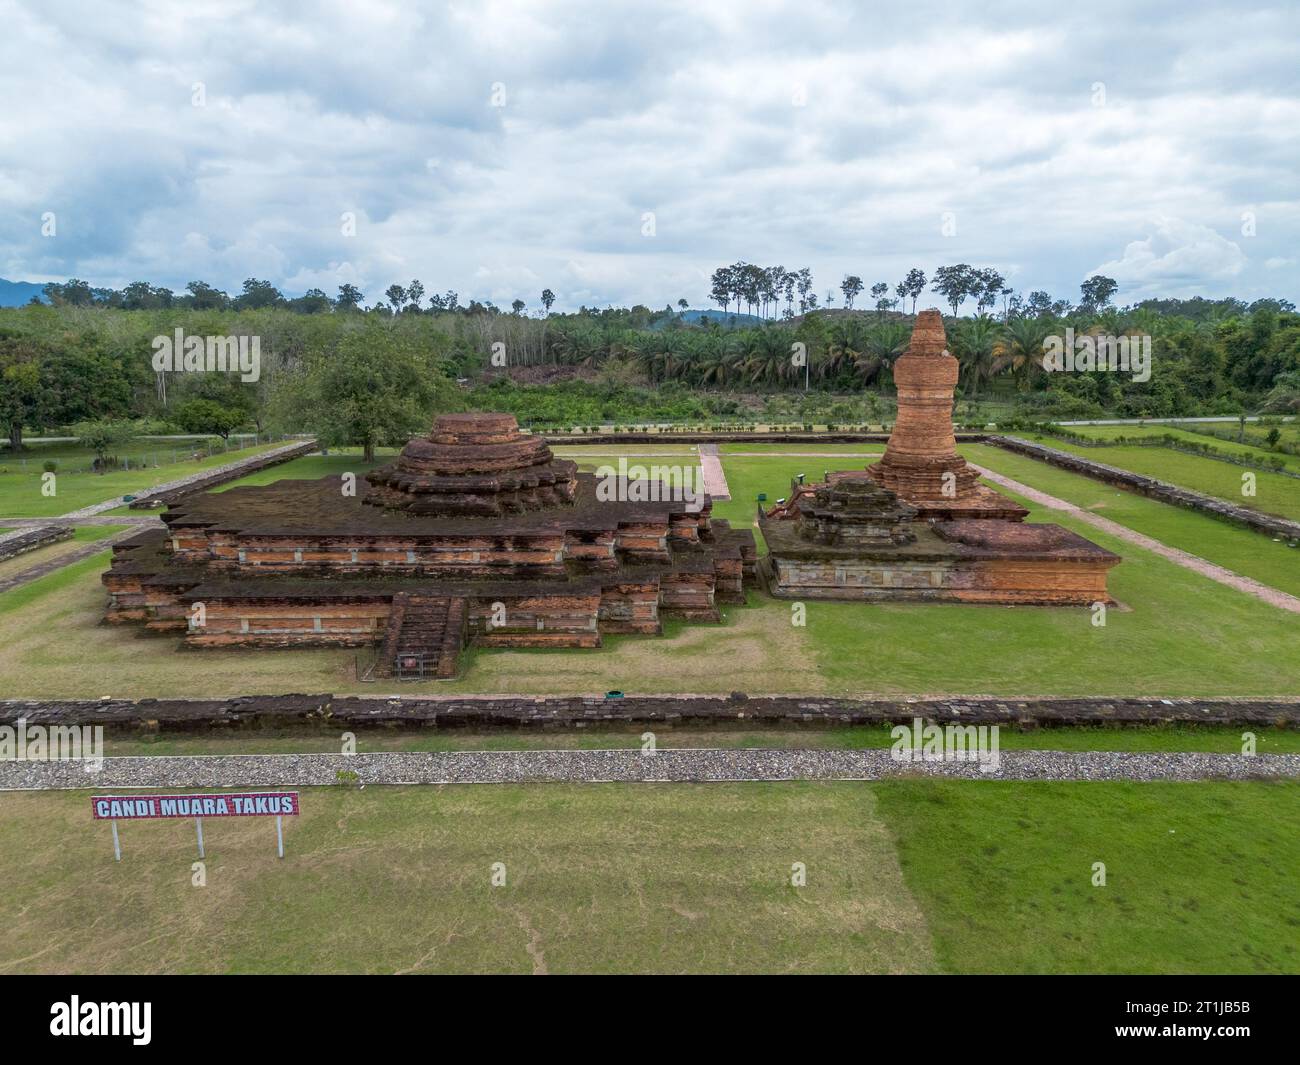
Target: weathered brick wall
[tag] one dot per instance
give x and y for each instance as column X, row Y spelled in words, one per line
column 1149, row 486
column 31, row 539
column 667, row 711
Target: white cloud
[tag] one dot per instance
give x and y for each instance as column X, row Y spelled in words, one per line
column 385, row 111
column 1178, row 258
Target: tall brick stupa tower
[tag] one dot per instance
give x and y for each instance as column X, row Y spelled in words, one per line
column 921, row 463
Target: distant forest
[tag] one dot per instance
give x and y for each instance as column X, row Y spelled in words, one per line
column 371, row 375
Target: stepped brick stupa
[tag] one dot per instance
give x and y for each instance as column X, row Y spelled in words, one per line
column 918, row 525
column 921, row 463
column 475, row 534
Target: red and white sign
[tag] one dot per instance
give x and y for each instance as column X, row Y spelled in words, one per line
column 226, row 804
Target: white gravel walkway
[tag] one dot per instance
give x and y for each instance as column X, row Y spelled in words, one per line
column 632, row 766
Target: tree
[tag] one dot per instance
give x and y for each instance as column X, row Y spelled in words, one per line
column 807, row 298
column 101, row 437
column 20, row 387
column 396, row 295
column 75, row 293
column 518, row 307
column 209, row 417
column 986, row 287
column 414, row 294
column 720, row 288
column 1097, row 292
column 350, row 298
column 911, row 286
column 203, row 297
column 851, row 286
column 313, row 301
column 955, row 283
column 258, row 294
column 975, row 341
column 682, row 305
column 1285, row 395
column 1039, row 304
column 548, row 298
column 1020, row 349
column 375, row 389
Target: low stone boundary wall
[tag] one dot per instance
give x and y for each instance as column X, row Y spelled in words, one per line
column 1152, row 488
column 166, row 495
column 23, row 540
column 660, row 711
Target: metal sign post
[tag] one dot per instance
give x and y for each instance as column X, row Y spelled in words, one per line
column 279, row 835
column 117, row 847
column 198, row 825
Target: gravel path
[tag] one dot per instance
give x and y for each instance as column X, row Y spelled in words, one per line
column 684, row 765
column 1122, row 532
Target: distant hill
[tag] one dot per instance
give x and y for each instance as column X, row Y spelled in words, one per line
column 16, row 293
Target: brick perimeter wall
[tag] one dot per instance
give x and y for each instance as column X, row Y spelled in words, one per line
column 33, row 539
column 202, row 484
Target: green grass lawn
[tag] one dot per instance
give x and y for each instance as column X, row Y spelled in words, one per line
column 1200, row 877
column 1274, row 493
column 813, row 446
column 1234, row 547
column 20, row 489
column 901, row 876
column 1177, row 633
column 309, row 467
column 1208, row 738
column 86, row 534
column 1254, row 446
column 603, row 878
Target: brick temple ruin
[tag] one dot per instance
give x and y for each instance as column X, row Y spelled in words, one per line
column 476, row 534
column 918, row 525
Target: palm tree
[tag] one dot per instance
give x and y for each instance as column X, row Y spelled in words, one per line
column 1020, row 349
column 884, row 342
column 975, row 340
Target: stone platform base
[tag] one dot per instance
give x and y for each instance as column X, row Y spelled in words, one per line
column 978, row 561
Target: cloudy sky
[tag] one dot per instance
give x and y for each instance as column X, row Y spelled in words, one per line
column 618, row 152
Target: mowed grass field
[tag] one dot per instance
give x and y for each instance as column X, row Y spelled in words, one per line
column 901, row 877
column 20, row 487
column 1255, row 444
column 1176, row 633
column 86, row 534
column 1208, row 738
column 1275, row 493
column 1238, row 549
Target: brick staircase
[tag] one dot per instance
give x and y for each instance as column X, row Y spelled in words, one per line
column 424, row 638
